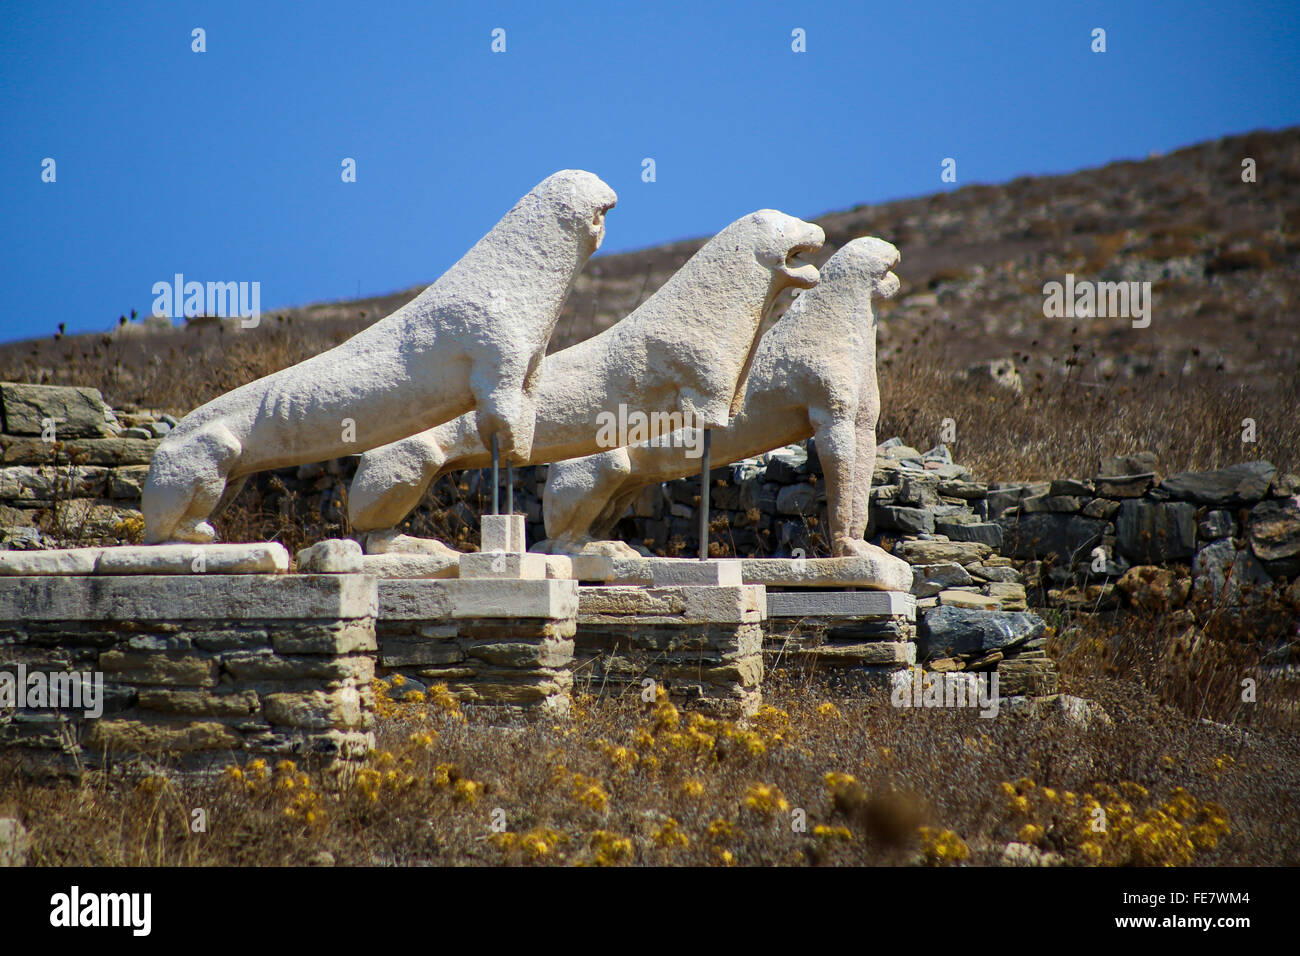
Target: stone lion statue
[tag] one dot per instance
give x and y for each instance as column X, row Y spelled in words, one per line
column 687, row 348
column 814, row 375
column 473, row 340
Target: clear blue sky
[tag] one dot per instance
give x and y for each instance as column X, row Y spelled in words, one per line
column 225, row 165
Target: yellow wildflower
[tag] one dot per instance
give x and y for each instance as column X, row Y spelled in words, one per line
column 766, row 799
column 1031, row 833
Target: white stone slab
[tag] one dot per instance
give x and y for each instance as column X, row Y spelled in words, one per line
column 847, row 604
column 658, row 572
column 715, row 572
column 745, row 604
column 881, row 572
column 478, row 597
column 257, row 558
column 62, row 561
column 268, row 557
column 603, row 567
column 414, row 599
column 514, row 599
column 180, row 597
column 559, row 567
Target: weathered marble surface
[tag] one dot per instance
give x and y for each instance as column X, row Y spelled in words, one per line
column 687, row 349
column 876, row 570
column 267, row 558
column 814, row 374
column 472, row 341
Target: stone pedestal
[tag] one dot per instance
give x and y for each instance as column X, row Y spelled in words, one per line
column 196, row 670
column 863, row 635
column 701, row 644
column 502, row 556
column 502, row 533
column 502, row 646
column 514, row 565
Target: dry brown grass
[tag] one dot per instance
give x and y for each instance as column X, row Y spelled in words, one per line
column 1063, row 423
column 1070, row 414
column 1197, row 660
column 631, row 782
column 173, row 371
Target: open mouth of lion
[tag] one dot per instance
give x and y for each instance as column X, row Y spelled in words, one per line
column 598, row 223
column 889, row 285
column 803, row 275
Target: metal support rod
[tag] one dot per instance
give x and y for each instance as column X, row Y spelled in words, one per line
column 704, row 497
column 510, row 488
column 496, row 476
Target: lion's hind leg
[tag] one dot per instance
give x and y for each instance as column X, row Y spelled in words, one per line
column 576, row 494
column 391, row 480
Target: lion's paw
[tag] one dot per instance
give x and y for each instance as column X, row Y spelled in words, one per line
column 610, row 549
column 394, row 542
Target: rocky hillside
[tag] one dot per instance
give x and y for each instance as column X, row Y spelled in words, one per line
column 1221, row 255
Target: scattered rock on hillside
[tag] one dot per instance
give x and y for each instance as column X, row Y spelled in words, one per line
column 1225, row 575
column 1154, row 589
column 1285, row 485
column 1151, row 531
column 1274, row 529
column 1118, row 466
column 1025, row 854
column 1001, row 372
column 949, row 629
column 1233, row 486
column 76, row 412
column 1077, row 712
